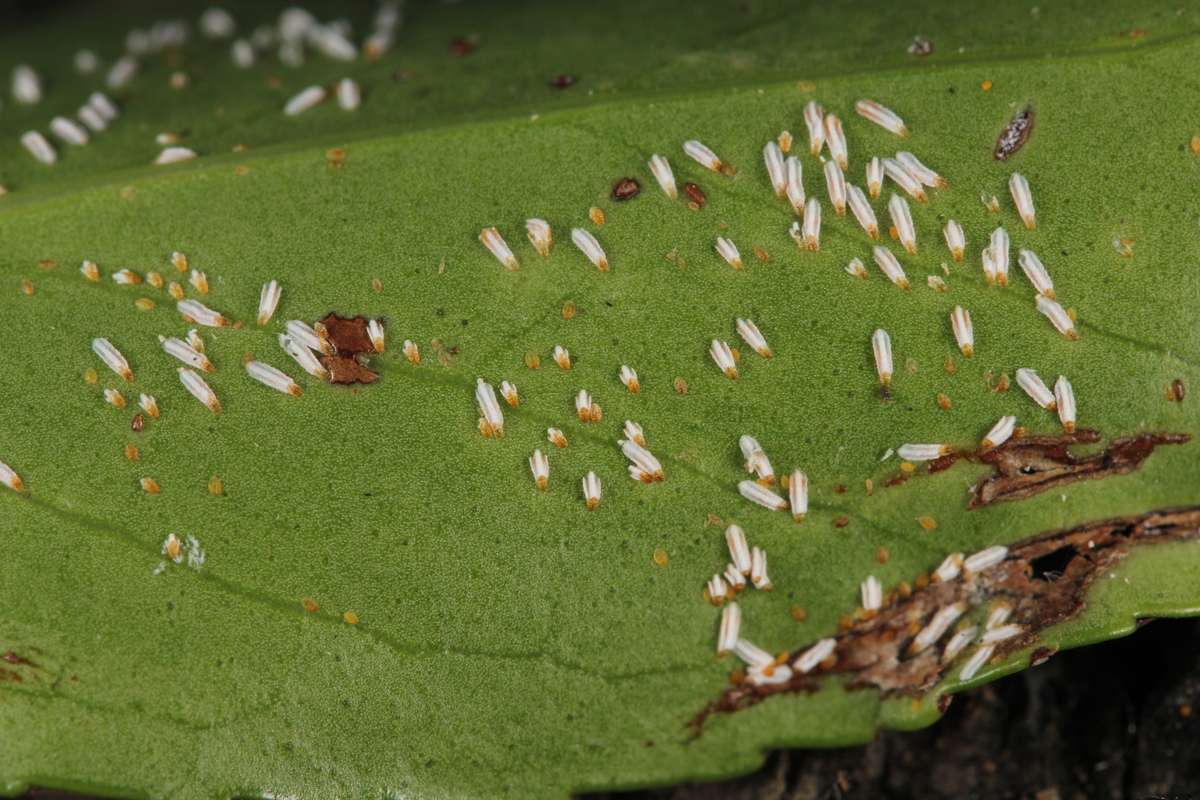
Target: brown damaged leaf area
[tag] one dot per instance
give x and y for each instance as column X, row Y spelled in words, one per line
column 1034, row 464
column 350, row 341
column 1044, row 579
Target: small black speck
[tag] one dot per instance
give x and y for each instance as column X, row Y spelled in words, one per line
column 405, row 543
column 950, row 89
column 431, row 762
column 346, row 702
column 606, row 302
column 297, row 527
column 441, row 312
column 616, row 342
column 1065, row 253
column 908, row 409
column 466, row 322
column 170, row 606
column 366, row 494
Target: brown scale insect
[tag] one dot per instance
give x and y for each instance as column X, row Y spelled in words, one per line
column 626, row 189
column 1014, row 134
column 139, row 421
column 695, row 194
column 563, row 82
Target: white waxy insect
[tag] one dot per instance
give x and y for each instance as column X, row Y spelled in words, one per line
column 739, row 551
column 173, row 155
column 331, row 40
column 985, row 559
column 591, row 490
column 291, row 53
column 629, row 377
column 776, row 171
column 949, row 569
column 723, row 355
column 976, row 662
column 200, row 281
column 863, row 211
column 937, row 626
column 509, row 393
column 376, row 334
column 307, row 336
column 489, row 408
column 349, row 95
column 770, row 675
column 583, row 405
column 103, row 106
column 836, row 138
column 717, row 590
column 194, row 339
column 121, row 72
column 964, row 333
column 127, row 277
column 756, row 492
column 735, row 579
column 756, row 460
column 752, row 654
column 856, row 268
column 753, row 337
column 217, row 23
column 378, row 43
column 555, row 437
column 936, row 283
column 276, row 379
column 989, row 267
column 562, row 357
column 186, row 353
column 798, row 495
column 904, row 179
column 10, row 478
column 642, row 459
column 69, row 131
column 1023, row 199
column 304, row 357
column 663, row 174
column 812, row 226
column 998, row 614
column 1000, row 433
column 1055, row 313
column 112, row 357
column 1064, row 396
column 304, row 100
column 872, row 594
column 1032, row 266
column 703, row 155
column 92, row 118
column 1028, row 380
column 731, row 625
column 990, row 202
column 813, row 656
column 199, row 389
column 540, row 236
column 921, row 172
column 90, row 269
column 39, row 146
column 955, row 240
column 411, row 351
column 923, row 452
column 86, row 62
column 729, row 252
column 242, row 53
column 881, row 343
column 795, row 185
column 500, row 249
column 591, row 248
column 540, row 466
column 835, row 180
column 1001, row 634
column 149, row 405
column 958, row 642
column 115, row 397
column 998, row 249
column 814, row 119
column 902, row 219
column 891, row 267
column 268, row 300
column 634, row 431
column 875, row 177
column 881, row 116
column 26, row 85
column 758, row 570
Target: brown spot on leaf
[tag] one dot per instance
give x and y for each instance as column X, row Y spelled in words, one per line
column 350, row 340
column 876, row 653
column 344, row 369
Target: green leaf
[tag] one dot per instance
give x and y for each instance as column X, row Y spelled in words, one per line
column 510, row 642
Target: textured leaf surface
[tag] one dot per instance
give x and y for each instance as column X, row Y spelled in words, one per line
column 510, row 643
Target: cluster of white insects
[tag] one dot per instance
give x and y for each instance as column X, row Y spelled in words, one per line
column 296, row 29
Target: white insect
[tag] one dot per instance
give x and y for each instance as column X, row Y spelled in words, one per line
column 756, row 460
column 958, row 642
column 836, row 139
column 999, row 251
column 872, row 594
column 304, row 100
column 26, row 85
column 703, row 155
column 758, row 570
column 69, row 131
column 1064, row 397
column 923, row 452
column 376, row 334
column 813, row 656
column 937, row 626
column 812, row 225
column 904, row 179
column 149, row 405
column 753, row 337
column 1028, row 380
column 629, row 377
column 776, row 171
column 729, row 252
column 1032, row 266
column 540, row 235
column 955, row 240
column 1055, row 313
column 985, row 559
column 881, row 343
column 949, row 569
column 111, row 356
column 591, row 248
column 856, row 268
column 186, row 353
column 835, row 180
column 863, row 211
column 305, row 335
column 739, row 551
column 199, row 389
column 349, row 95
column 304, row 357
column 964, row 334
column 268, row 300
column 540, row 466
column 1000, row 432
column 39, row 146
column 1023, row 198
column 173, row 155
column 756, row 492
column 122, row 72
column 891, row 267
column 731, row 625
column 881, row 116
column 664, row 175
column 489, row 408
column 723, row 355
column 272, row 377
column 814, row 119
column 798, row 495
column 494, row 242
column 242, row 53
column 795, row 185
column 921, row 172
column 875, row 177
column 976, row 662
column 591, row 490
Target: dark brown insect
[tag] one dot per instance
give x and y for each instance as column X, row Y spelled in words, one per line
column 1179, row 390
column 463, row 45
column 626, row 189
column 563, row 81
column 1015, row 133
column 139, row 421
column 695, row 193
